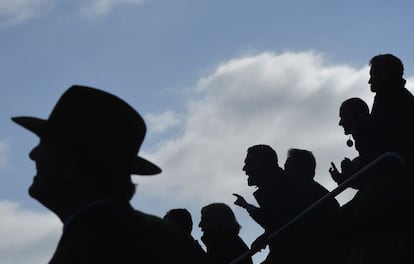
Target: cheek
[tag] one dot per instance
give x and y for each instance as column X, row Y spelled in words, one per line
column 52, row 170
column 48, row 166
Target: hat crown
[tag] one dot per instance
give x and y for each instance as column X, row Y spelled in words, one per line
column 96, row 117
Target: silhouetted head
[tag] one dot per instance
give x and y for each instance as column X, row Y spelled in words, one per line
column 89, row 144
column 261, row 161
column 386, row 73
column 180, row 217
column 352, row 111
column 300, row 164
column 218, row 218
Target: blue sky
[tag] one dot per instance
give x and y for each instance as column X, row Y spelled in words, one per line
column 210, row 78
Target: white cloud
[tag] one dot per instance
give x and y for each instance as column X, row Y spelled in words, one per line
column 159, row 123
column 284, row 100
column 96, row 8
column 36, row 234
column 410, row 83
column 13, row 12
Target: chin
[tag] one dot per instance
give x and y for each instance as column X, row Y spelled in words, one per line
column 39, row 193
column 33, row 191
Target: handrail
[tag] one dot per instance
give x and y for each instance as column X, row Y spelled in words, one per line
column 340, row 188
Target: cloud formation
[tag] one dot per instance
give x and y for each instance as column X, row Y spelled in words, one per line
column 33, row 233
column 159, row 123
column 283, row 100
column 14, row 12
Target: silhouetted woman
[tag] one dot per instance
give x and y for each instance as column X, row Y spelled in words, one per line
column 221, row 234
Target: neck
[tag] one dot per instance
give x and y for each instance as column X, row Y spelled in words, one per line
column 68, row 206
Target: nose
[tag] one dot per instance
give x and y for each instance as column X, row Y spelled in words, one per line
column 33, row 153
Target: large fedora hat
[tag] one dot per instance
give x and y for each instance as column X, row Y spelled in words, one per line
column 97, row 121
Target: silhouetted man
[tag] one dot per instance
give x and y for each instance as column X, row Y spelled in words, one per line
column 356, row 122
column 87, row 152
column 280, row 199
column 300, row 165
column 181, row 218
column 393, row 107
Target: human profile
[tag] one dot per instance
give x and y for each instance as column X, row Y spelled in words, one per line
column 87, row 152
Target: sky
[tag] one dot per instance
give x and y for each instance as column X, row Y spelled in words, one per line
column 210, row 78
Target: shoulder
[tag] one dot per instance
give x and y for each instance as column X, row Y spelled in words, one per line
column 156, row 236
column 152, row 224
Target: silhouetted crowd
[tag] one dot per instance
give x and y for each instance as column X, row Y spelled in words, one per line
column 89, row 148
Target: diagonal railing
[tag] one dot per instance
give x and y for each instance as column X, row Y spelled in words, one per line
column 394, row 160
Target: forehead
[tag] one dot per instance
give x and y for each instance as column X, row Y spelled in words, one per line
column 53, row 147
column 250, row 157
column 377, row 69
column 46, row 143
column 250, row 162
column 346, row 110
column 289, row 161
column 372, row 68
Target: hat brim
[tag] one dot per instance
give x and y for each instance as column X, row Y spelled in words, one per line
column 36, row 125
column 33, row 124
column 144, row 167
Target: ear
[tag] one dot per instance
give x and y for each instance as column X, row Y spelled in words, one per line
column 71, row 169
column 361, row 118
